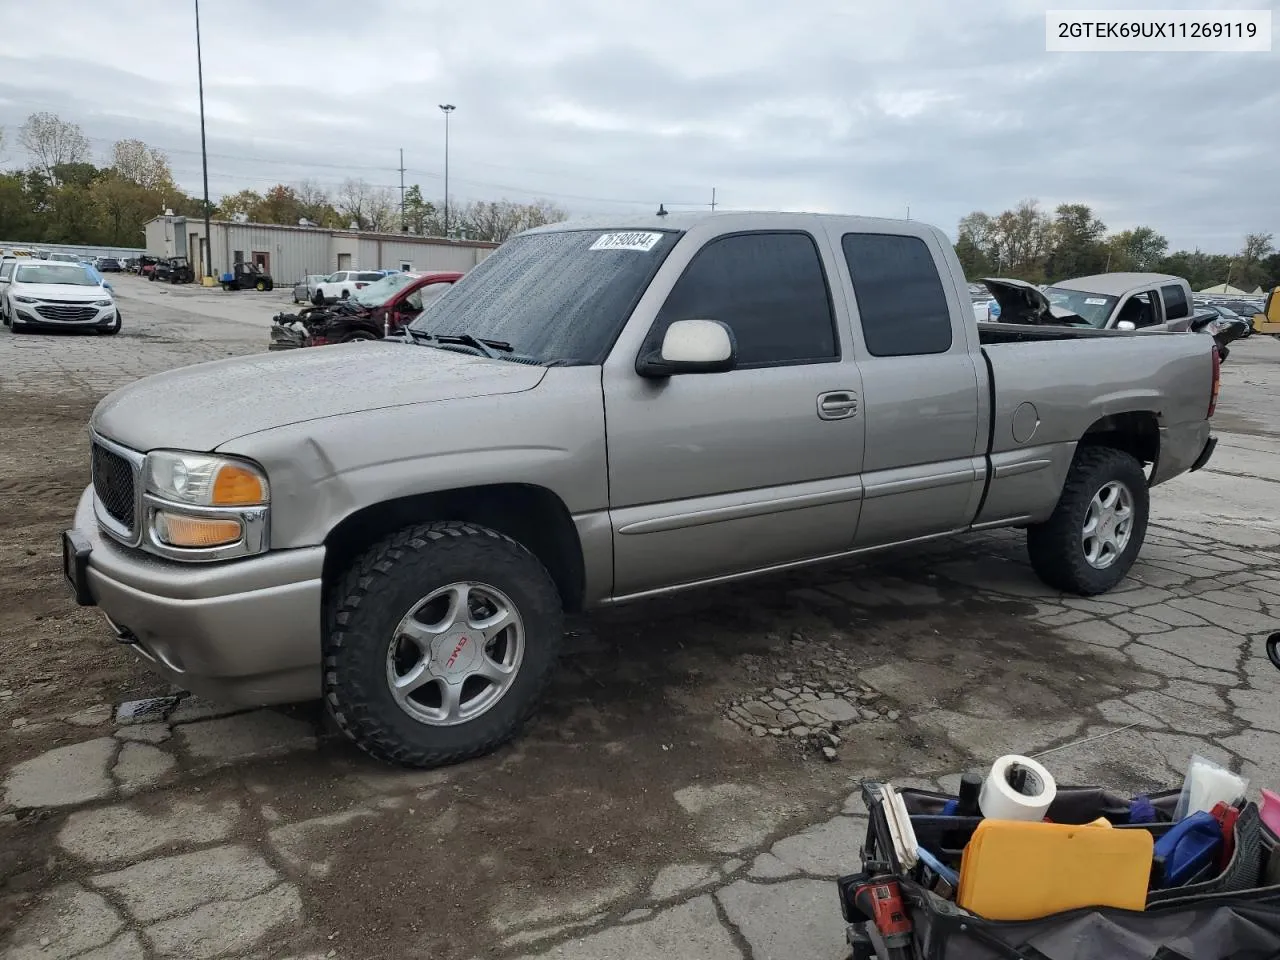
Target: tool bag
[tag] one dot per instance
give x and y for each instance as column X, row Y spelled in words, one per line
column 1223, row 915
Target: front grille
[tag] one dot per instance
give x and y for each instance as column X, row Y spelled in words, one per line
column 113, row 485
column 67, row 312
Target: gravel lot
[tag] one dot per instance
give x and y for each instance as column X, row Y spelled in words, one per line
column 662, row 802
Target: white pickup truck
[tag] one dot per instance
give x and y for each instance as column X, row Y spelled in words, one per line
column 1105, row 301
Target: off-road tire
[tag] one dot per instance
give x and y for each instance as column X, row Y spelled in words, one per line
column 1055, row 546
column 367, row 603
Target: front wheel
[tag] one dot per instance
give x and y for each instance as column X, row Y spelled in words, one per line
column 357, row 336
column 260, row 286
column 440, row 639
column 318, row 299
column 1093, row 537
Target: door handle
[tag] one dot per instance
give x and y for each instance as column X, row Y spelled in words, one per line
column 837, row 405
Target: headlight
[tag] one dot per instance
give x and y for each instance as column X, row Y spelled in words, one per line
column 205, row 481
column 25, row 299
column 103, row 303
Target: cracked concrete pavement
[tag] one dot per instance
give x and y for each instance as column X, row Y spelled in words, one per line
column 642, row 814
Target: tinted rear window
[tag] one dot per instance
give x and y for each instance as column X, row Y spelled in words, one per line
column 900, row 298
column 1175, row 302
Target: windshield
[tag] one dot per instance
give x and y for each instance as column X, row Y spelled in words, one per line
column 559, row 296
column 1092, row 307
column 54, row 273
column 376, row 294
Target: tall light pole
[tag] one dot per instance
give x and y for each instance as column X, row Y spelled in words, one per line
column 448, row 108
column 204, row 155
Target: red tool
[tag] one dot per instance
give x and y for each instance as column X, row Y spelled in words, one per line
column 1226, row 816
column 879, row 900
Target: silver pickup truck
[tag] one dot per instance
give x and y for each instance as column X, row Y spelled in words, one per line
column 601, row 412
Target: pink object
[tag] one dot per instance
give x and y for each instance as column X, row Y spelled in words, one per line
column 1271, row 811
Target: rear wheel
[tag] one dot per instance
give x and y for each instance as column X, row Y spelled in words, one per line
column 346, row 294
column 260, row 286
column 440, row 640
column 1093, row 537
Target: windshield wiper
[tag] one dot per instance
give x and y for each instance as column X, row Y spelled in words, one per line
column 486, row 346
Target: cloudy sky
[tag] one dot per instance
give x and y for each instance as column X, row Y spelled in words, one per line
column 611, row 107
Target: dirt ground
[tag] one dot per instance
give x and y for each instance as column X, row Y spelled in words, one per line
column 952, row 654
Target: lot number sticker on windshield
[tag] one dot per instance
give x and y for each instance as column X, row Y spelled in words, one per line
column 644, row 242
column 1095, row 301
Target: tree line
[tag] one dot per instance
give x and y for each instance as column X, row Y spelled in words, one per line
column 1026, row 243
column 61, row 196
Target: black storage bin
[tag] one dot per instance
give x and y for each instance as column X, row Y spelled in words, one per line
column 1227, row 916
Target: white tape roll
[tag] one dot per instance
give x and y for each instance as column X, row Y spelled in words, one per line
column 1000, row 801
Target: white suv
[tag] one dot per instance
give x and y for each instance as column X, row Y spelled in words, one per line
column 41, row 293
column 340, row 285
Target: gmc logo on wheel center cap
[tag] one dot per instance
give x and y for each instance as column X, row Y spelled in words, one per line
column 453, row 657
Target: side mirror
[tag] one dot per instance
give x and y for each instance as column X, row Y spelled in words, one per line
column 1126, row 325
column 691, row 346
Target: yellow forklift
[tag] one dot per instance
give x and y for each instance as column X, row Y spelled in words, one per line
column 1268, row 321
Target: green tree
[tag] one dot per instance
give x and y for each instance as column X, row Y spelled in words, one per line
column 975, row 244
column 1249, row 270
column 245, row 202
column 82, row 175
column 280, row 204
column 1138, row 249
column 16, row 212
column 421, row 216
column 1076, row 243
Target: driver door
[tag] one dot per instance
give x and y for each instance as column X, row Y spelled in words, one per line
column 712, row 474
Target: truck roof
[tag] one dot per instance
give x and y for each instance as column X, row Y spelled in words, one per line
column 1116, row 284
column 745, row 219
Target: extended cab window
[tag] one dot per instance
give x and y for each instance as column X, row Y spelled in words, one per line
column 771, row 291
column 1175, row 302
column 900, row 297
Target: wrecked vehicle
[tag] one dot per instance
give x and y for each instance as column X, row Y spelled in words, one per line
column 381, row 309
column 602, row 412
column 1153, row 302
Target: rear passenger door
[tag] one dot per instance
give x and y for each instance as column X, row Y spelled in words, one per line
column 719, row 473
column 925, row 422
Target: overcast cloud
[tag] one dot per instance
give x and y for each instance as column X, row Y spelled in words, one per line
column 607, row 107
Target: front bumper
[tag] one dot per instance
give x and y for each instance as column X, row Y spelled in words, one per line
column 28, row 314
column 244, row 632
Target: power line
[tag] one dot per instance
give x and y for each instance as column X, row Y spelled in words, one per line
column 424, row 174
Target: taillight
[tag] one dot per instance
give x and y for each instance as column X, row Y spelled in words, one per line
column 1217, row 381
column 361, row 286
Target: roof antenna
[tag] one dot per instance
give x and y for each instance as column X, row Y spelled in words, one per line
column 662, row 211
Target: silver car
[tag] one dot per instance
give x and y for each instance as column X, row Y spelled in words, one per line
column 305, row 288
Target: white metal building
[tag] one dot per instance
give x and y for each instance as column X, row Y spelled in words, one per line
column 290, row 253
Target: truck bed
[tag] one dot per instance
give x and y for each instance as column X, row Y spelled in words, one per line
column 1051, row 386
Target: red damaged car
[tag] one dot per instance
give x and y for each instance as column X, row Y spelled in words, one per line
column 381, row 309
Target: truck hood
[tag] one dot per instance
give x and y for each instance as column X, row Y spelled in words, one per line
column 70, row 292
column 1022, row 302
column 203, row 406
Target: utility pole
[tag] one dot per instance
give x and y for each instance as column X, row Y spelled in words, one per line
column 204, row 154
column 448, row 108
column 713, row 199
column 908, row 211
column 403, row 225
